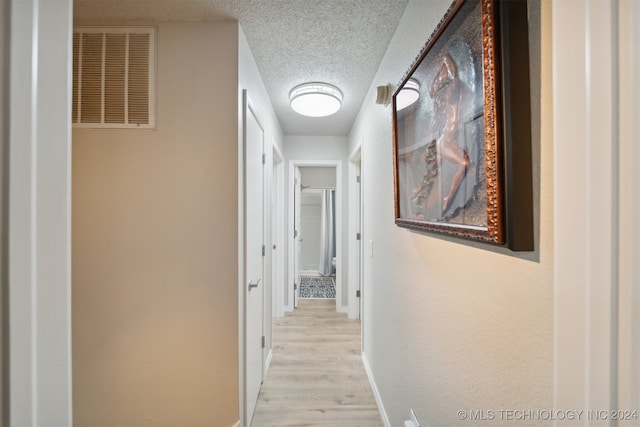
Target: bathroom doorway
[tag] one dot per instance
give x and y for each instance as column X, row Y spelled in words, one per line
column 317, row 222
column 315, row 240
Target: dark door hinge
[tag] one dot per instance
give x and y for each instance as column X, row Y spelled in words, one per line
column 358, row 236
column 264, row 342
column 263, row 250
column 358, row 293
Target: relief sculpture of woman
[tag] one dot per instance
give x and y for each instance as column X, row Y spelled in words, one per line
column 447, row 92
column 450, row 95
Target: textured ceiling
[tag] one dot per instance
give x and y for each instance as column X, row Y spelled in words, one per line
column 293, row 41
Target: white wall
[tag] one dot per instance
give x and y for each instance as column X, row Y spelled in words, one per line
column 155, row 247
column 249, row 79
column 452, row 325
column 4, row 112
column 301, row 147
column 321, row 148
column 318, row 177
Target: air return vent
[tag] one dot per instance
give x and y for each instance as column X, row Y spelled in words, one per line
column 114, row 77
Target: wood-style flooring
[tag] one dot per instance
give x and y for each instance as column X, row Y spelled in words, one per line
column 316, row 376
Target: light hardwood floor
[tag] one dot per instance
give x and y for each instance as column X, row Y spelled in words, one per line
column 316, row 376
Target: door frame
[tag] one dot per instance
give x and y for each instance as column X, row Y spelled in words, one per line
column 277, row 230
column 37, row 385
column 597, row 341
column 629, row 207
column 337, row 164
column 296, row 223
column 355, row 267
column 248, row 107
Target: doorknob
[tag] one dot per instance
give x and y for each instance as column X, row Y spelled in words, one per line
column 253, row 285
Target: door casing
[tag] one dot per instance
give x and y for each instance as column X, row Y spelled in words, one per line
column 341, row 306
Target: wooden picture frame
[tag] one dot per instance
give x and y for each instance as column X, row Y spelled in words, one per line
column 462, row 128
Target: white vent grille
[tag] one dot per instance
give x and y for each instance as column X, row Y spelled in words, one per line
column 114, row 77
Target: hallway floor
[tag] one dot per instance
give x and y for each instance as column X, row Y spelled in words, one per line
column 316, row 376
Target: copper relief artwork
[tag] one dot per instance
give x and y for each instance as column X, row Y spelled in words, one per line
column 446, row 144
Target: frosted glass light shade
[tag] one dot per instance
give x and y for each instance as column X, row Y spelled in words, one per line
column 409, row 94
column 315, row 99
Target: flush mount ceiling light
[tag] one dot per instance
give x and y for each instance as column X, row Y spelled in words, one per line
column 409, row 94
column 315, row 99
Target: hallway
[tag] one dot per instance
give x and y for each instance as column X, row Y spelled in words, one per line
column 316, row 375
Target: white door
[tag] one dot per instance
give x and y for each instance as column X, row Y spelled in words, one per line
column 254, row 228
column 296, row 234
column 278, row 285
column 359, row 243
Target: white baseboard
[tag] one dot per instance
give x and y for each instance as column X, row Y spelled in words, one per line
column 343, row 309
column 304, row 272
column 236, row 424
column 376, row 393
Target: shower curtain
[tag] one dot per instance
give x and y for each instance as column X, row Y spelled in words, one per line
column 327, row 232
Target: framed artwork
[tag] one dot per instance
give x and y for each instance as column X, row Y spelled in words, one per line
column 455, row 128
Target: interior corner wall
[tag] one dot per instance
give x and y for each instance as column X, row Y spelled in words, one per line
column 321, row 148
column 155, row 252
column 451, row 325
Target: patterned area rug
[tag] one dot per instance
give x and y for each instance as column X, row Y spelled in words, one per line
column 317, row 287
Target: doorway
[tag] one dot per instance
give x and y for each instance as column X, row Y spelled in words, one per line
column 317, row 221
column 321, row 178
column 355, row 235
column 254, row 291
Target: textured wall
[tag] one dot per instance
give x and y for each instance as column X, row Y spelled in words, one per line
column 452, row 325
column 155, row 248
